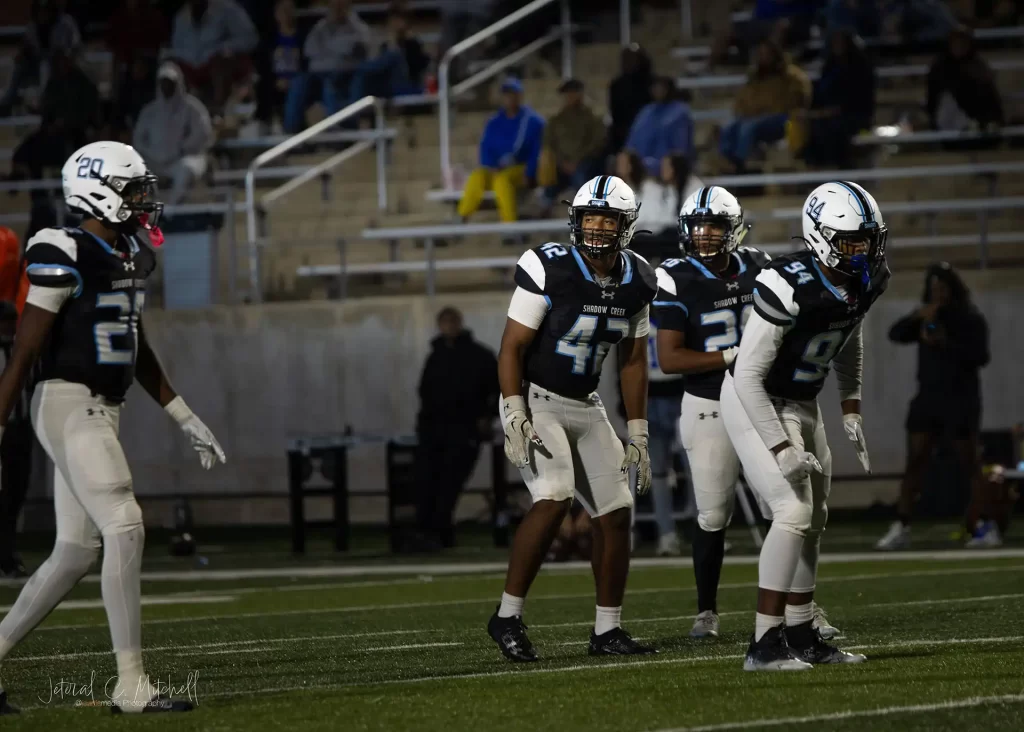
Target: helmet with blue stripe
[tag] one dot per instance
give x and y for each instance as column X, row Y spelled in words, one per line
column 602, row 216
column 711, row 223
column 844, row 228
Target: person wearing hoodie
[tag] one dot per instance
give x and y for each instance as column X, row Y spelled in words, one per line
column 334, row 48
column 662, row 129
column 458, row 403
column 509, row 151
column 174, row 133
column 211, row 41
column 775, row 89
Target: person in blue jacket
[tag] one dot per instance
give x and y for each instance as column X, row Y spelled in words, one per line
column 662, row 129
column 509, row 150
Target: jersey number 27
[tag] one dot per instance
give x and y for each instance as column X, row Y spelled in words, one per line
column 129, row 312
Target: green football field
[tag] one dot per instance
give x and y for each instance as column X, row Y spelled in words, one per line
column 321, row 645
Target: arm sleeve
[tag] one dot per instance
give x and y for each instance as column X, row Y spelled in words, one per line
column 672, row 313
column 530, row 309
column 906, row 329
column 849, row 365
column 758, row 348
column 50, row 299
column 640, row 324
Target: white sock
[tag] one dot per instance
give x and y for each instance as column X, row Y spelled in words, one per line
column 764, row 623
column 133, row 691
column 511, row 606
column 806, row 575
column 780, row 555
column 608, row 618
column 797, row 614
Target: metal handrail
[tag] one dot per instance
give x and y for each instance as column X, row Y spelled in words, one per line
column 290, row 144
column 445, row 90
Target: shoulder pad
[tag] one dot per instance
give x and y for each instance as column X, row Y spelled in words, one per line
column 755, row 257
column 644, row 271
column 774, row 298
column 59, row 239
column 530, row 273
column 666, row 284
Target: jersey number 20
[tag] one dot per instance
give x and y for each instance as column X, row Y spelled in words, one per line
column 578, row 343
column 129, row 312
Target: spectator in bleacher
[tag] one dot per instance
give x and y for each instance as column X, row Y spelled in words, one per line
column 629, row 92
column 285, row 62
column 174, row 134
column 509, row 152
column 843, row 102
column 49, row 31
column 775, row 89
column 861, row 17
column 574, row 140
column 398, row 68
column 962, row 91
column 211, row 42
column 663, row 128
column 333, row 49
column 661, row 198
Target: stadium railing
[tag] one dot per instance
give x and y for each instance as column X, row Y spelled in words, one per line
column 446, row 90
column 929, row 137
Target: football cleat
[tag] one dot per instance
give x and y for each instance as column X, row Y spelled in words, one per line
column 510, row 635
column 772, row 653
column 807, row 644
column 986, row 536
column 5, row 707
column 617, row 642
column 160, row 703
column 897, row 537
column 706, row 625
column 668, row 545
column 821, row 624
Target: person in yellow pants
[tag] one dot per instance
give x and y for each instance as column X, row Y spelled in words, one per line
column 509, row 151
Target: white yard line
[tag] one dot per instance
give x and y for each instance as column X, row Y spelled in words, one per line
column 146, row 600
column 974, row 701
column 458, row 568
column 406, row 647
column 533, row 599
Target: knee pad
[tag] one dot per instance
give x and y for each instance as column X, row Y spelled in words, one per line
column 793, row 516
column 714, row 520
column 124, row 516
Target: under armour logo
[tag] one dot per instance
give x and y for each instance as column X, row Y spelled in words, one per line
column 93, row 412
column 545, row 397
column 732, row 285
column 713, row 415
column 607, row 295
column 130, row 266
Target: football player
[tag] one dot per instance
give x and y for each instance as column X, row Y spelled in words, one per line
column 571, row 305
column 703, row 301
column 82, row 321
column 808, row 310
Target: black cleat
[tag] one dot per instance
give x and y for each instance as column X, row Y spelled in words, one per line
column 6, row 708
column 771, row 653
column 160, row 703
column 617, row 642
column 510, row 635
column 807, row 644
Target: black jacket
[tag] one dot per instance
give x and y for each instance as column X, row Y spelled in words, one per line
column 948, row 370
column 459, row 385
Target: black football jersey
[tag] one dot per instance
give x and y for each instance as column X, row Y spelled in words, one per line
column 94, row 337
column 793, row 292
column 709, row 310
column 584, row 319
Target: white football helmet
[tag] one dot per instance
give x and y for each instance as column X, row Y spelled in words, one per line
column 711, row 207
column 841, row 218
column 608, row 196
column 109, row 182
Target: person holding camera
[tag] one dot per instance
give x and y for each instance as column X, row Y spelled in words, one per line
column 952, row 340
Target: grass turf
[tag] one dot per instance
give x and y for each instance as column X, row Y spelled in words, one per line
column 405, row 653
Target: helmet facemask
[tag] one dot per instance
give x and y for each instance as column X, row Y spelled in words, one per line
column 600, row 232
column 857, row 254
column 139, row 207
column 706, row 236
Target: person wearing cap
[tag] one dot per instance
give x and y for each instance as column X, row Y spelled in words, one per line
column 509, row 151
column 574, row 140
column 17, row 442
column 174, row 133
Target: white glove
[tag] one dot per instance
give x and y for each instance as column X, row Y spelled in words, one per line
column 797, row 464
column 199, row 435
column 638, row 454
column 854, row 426
column 519, row 433
column 729, row 355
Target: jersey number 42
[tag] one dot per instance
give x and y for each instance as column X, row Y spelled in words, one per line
column 579, row 343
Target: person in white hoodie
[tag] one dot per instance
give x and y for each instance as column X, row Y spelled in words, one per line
column 174, row 134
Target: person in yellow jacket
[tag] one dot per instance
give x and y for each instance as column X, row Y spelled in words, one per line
column 509, row 150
